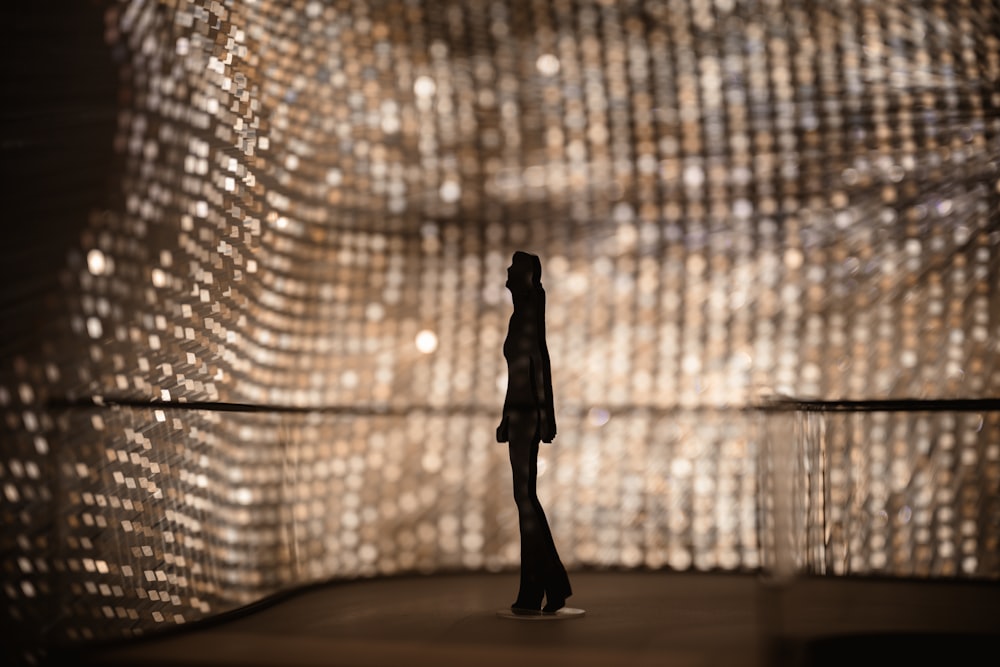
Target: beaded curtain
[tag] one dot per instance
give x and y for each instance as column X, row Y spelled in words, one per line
column 315, row 203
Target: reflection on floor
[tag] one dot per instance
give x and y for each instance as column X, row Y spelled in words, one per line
column 632, row 618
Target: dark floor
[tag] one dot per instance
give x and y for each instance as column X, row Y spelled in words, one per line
column 669, row 619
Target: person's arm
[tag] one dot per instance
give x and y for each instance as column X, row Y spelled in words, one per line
column 539, row 382
column 548, row 420
column 503, row 430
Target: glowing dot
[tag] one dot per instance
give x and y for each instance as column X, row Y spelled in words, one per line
column 431, row 462
column 334, row 177
column 450, row 191
column 292, row 162
column 424, row 86
column 97, row 263
column 681, row 467
column 691, row 364
column 94, row 328
column 367, row 553
column 472, row 541
column 281, row 222
column 159, row 277
column 794, row 258
column 543, row 465
column 742, row 208
column 349, row 379
column 427, row 341
column 694, row 176
column 390, row 124
column 598, row 416
column 547, row 64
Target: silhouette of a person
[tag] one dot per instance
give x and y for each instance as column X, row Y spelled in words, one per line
column 528, row 417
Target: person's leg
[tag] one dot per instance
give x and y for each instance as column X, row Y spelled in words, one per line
column 523, row 449
column 553, row 573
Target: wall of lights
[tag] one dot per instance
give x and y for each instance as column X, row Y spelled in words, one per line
column 315, row 206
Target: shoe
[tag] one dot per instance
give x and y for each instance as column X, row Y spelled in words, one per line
column 524, row 611
column 553, row 606
column 527, row 603
column 554, row 602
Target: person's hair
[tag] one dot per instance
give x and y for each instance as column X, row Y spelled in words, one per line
column 536, row 297
column 532, row 264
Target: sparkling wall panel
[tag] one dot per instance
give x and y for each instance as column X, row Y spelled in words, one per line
column 314, row 208
column 909, row 493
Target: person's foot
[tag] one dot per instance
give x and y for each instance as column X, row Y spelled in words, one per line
column 554, row 603
column 527, row 603
column 525, row 611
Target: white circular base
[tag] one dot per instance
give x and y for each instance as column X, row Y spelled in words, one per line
column 563, row 614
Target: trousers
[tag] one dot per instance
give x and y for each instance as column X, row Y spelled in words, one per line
column 542, row 571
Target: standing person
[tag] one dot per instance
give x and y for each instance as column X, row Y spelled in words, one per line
column 528, row 418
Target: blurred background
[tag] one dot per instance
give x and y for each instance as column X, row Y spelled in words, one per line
column 253, row 292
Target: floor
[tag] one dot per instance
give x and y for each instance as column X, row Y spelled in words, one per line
column 632, row 618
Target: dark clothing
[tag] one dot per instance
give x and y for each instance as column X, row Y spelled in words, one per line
column 528, row 418
column 541, row 569
column 529, row 373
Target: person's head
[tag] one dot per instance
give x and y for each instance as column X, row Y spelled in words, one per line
column 524, row 273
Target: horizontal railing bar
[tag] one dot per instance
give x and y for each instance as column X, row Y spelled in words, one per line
column 772, row 405
column 882, row 405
